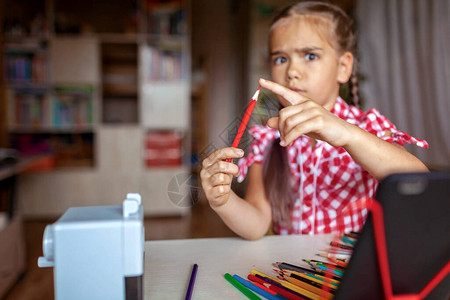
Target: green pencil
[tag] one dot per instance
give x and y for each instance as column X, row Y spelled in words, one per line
column 241, row 287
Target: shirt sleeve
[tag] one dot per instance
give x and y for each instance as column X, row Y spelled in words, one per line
column 263, row 136
column 377, row 124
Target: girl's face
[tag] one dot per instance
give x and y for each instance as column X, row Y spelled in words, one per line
column 304, row 61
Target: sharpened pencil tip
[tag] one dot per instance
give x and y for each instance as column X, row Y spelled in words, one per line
column 256, row 95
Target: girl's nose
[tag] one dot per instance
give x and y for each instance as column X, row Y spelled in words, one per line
column 294, row 72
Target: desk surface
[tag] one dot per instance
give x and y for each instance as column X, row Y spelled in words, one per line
column 168, row 263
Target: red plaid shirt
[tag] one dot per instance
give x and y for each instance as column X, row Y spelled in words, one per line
column 326, row 179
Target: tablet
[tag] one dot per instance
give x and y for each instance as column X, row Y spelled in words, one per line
column 416, row 208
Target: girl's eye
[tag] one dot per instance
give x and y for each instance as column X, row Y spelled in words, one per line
column 311, row 56
column 279, row 60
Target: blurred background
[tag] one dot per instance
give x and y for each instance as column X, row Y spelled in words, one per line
column 100, row 98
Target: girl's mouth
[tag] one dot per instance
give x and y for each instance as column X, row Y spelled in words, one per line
column 297, row 90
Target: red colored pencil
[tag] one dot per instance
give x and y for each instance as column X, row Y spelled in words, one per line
column 244, row 122
column 276, row 289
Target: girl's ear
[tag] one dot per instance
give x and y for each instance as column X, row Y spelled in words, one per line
column 345, row 67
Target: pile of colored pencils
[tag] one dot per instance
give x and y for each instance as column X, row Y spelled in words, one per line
column 315, row 279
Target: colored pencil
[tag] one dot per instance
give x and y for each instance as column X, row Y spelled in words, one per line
column 328, row 272
column 329, row 264
column 341, row 263
column 286, row 294
column 320, row 282
column 310, row 286
column 339, row 245
column 279, row 290
column 328, row 279
column 335, row 256
column 337, row 250
column 352, row 236
column 324, row 278
column 290, row 286
column 290, row 267
column 348, row 240
column 191, row 282
column 241, row 287
column 244, row 122
column 304, row 279
column 321, row 271
column 260, row 285
column 326, row 269
column 256, row 289
column 273, row 283
column 286, row 266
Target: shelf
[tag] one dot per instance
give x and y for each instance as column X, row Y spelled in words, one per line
column 120, row 80
column 119, row 83
column 51, row 130
column 24, row 41
column 28, row 87
column 120, row 110
column 119, row 38
column 119, row 53
column 119, row 91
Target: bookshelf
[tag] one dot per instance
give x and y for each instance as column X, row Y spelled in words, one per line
column 112, row 103
column 164, row 82
column 47, row 106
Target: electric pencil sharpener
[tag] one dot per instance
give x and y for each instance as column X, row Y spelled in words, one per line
column 97, row 252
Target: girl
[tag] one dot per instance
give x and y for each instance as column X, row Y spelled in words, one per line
column 319, row 154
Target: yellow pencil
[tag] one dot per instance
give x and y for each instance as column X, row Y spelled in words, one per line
column 328, row 284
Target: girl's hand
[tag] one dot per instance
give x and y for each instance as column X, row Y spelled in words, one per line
column 302, row 115
column 217, row 174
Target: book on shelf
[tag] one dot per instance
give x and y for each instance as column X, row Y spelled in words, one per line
column 25, row 63
column 163, row 149
column 160, row 65
column 66, row 107
column 21, row 68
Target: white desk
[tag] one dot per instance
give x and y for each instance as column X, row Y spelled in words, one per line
column 168, row 263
